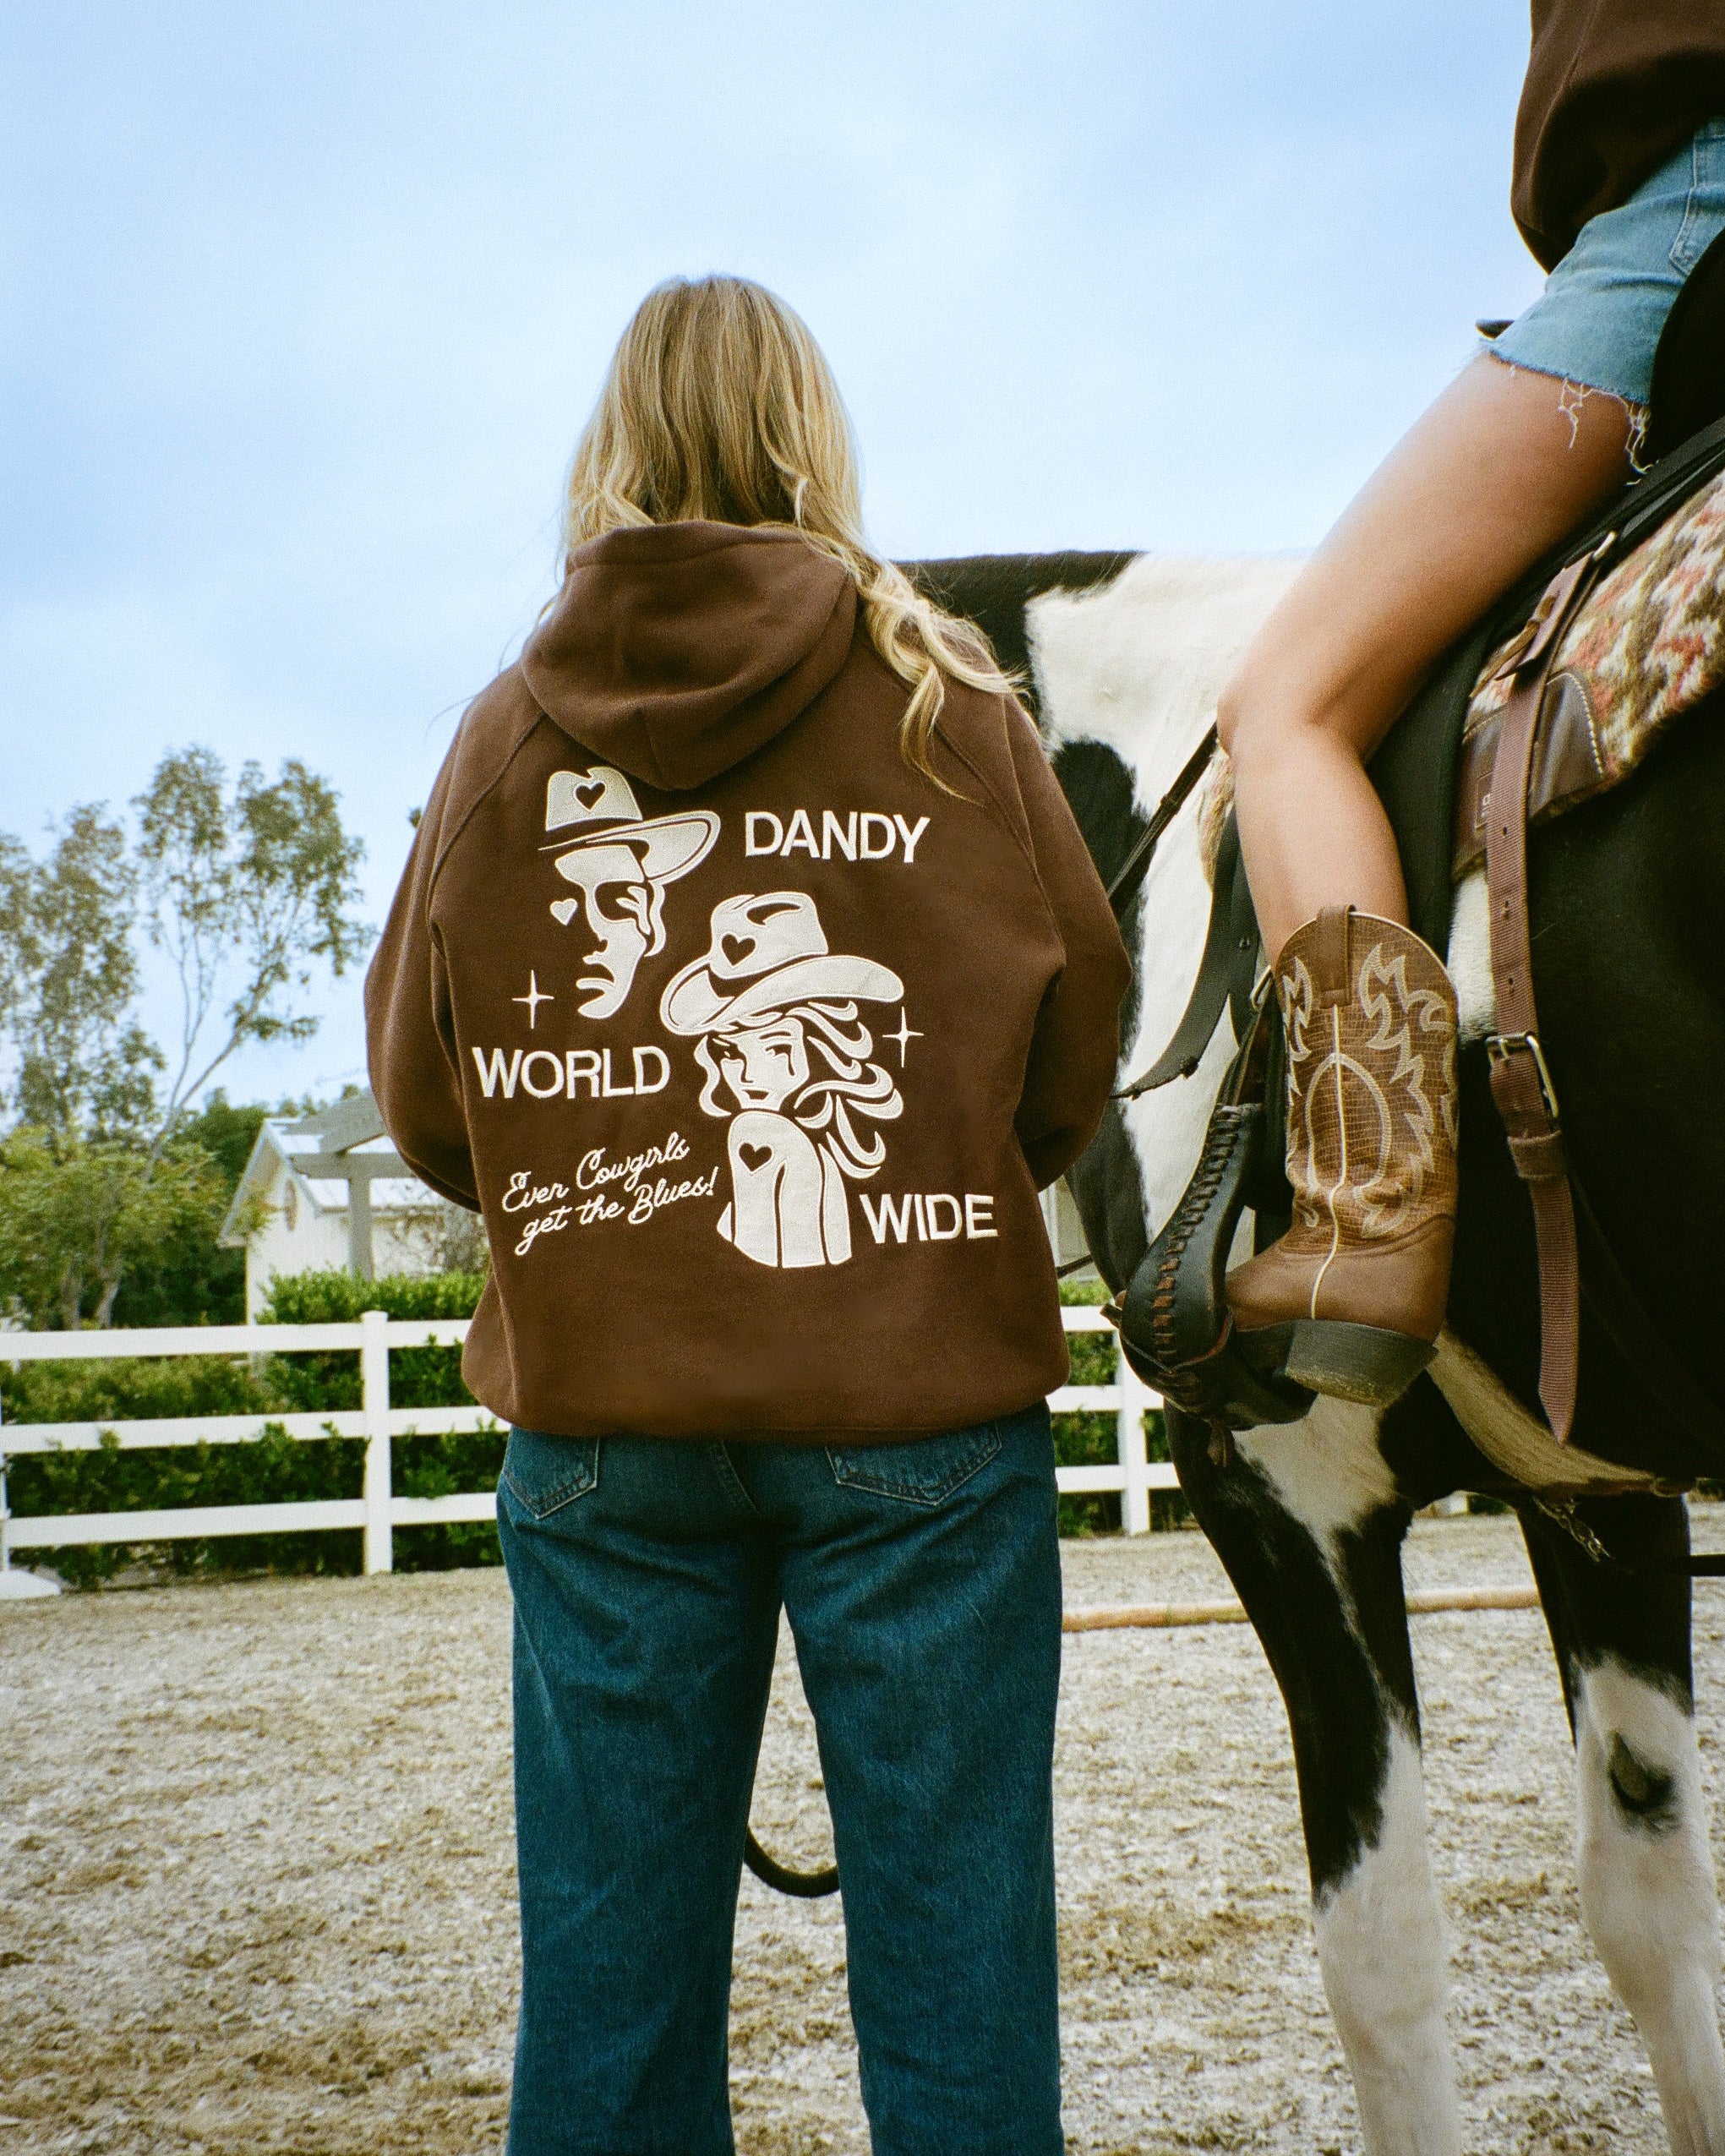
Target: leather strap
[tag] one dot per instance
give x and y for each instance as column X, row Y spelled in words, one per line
column 1123, row 888
column 1332, row 974
column 1521, row 1081
column 1226, row 941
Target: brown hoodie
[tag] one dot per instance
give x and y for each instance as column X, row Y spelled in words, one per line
column 1614, row 87
column 752, row 1045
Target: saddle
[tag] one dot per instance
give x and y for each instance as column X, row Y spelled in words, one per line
column 1558, row 691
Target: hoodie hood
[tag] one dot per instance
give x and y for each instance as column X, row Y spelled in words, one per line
column 674, row 651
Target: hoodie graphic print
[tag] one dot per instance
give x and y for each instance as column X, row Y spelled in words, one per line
column 773, row 1016
column 752, row 1045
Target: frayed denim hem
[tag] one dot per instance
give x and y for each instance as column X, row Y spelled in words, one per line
column 1596, row 327
column 1572, row 395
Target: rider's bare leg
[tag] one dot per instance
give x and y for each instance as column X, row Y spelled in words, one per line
column 1349, row 1300
column 1495, row 472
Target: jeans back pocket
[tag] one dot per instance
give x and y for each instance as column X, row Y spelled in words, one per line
column 544, row 1474
column 921, row 1471
column 1704, row 213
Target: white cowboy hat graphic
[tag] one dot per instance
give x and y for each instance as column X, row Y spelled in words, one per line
column 600, row 808
column 767, row 953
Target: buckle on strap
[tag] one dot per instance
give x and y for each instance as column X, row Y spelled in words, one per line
column 1550, row 615
column 1501, row 1046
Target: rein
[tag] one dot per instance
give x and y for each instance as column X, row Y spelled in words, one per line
column 1127, row 878
column 805, row 1885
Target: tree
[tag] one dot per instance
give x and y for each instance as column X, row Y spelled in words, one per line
column 190, row 1279
column 68, row 978
column 249, row 894
column 251, row 891
column 73, row 1218
column 447, row 1239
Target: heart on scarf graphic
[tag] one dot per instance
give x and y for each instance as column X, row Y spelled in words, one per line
column 754, row 1156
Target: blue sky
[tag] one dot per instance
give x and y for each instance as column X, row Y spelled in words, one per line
column 304, row 305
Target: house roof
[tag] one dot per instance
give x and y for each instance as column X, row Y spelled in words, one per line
column 351, row 1124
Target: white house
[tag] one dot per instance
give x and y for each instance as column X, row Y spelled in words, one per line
column 295, row 1208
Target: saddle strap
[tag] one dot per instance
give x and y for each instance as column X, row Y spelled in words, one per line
column 1224, row 974
column 1521, row 1079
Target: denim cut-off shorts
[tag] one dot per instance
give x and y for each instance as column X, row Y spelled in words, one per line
column 1598, row 322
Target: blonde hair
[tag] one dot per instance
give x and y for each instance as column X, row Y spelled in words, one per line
column 720, row 404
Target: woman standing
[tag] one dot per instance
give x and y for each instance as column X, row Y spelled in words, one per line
column 749, row 976
column 1619, row 189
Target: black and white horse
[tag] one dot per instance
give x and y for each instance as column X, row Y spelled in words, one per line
column 1124, row 655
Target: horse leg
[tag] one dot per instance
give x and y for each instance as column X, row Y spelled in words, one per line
column 1645, row 1867
column 1309, row 1525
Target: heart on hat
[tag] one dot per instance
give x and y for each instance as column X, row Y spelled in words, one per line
column 768, row 951
column 599, row 808
column 601, row 795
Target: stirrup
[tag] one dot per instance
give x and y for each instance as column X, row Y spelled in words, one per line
column 1176, row 1328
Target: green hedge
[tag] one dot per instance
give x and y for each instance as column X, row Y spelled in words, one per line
column 429, row 1467
column 276, row 1469
column 273, row 1468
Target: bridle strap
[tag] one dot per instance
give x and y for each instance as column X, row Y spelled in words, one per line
column 1521, row 1080
column 1123, row 888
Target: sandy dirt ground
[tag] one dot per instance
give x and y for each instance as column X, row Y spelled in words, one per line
column 257, row 1863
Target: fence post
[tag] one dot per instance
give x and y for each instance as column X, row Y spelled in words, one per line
column 1134, row 1456
column 16, row 1586
column 374, row 1394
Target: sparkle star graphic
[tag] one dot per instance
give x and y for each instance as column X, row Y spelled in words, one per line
column 906, row 1034
column 532, row 999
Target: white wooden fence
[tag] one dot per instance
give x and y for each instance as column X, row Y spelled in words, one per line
column 377, row 1510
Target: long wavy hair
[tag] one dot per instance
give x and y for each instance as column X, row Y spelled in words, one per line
column 830, row 1099
column 720, row 404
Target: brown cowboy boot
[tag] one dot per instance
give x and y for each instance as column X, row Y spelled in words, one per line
column 1351, row 1300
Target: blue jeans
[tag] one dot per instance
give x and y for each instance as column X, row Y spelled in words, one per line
column 1598, row 320
column 922, row 1583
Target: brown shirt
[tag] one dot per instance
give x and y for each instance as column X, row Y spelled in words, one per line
column 752, row 1045
column 1614, row 88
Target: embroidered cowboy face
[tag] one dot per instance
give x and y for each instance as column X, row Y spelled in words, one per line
column 620, row 863
column 625, row 912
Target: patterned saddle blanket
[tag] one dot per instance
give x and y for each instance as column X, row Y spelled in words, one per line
column 1647, row 645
